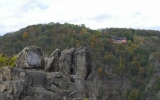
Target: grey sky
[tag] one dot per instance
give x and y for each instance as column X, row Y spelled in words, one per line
column 139, row 14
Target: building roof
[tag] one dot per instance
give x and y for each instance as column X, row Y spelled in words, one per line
column 117, row 38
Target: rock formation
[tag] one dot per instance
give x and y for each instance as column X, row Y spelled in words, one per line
column 30, row 57
column 65, row 75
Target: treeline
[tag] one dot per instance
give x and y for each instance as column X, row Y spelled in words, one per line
column 131, row 59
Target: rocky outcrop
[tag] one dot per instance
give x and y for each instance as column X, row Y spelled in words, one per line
column 82, row 62
column 52, row 61
column 65, row 75
column 70, row 62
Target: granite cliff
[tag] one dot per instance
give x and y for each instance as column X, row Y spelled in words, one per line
column 63, row 75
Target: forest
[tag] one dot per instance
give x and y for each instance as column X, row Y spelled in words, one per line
column 134, row 60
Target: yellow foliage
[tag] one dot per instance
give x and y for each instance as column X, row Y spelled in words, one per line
column 99, row 70
column 92, row 44
column 7, row 61
column 78, row 45
column 25, row 35
column 86, row 99
column 3, row 60
column 12, row 61
column 83, row 31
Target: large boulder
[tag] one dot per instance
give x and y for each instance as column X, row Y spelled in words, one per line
column 66, row 61
column 30, row 58
column 52, row 61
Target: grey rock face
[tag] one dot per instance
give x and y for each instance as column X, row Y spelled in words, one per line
column 77, row 95
column 82, row 62
column 66, row 63
column 52, row 61
column 75, row 62
column 56, row 81
column 70, row 62
column 14, row 83
column 38, row 78
column 9, row 73
column 60, row 76
column 79, row 82
column 5, row 73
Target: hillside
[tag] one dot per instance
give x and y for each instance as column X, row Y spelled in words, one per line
column 128, row 71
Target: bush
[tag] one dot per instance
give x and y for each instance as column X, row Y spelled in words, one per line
column 7, row 61
column 133, row 95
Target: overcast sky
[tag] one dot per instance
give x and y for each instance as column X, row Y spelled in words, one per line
column 95, row 14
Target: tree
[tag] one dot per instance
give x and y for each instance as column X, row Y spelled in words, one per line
column 121, row 68
column 133, row 95
column 25, row 35
column 92, row 44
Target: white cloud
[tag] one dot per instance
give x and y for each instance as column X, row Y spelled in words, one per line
column 95, row 14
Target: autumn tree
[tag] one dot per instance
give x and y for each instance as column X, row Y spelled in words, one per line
column 100, row 71
column 25, row 35
column 121, row 68
column 133, row 95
